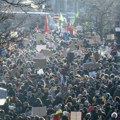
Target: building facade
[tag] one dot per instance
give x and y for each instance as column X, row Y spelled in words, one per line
column 64, row 5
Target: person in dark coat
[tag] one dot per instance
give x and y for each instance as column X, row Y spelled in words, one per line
column 117, row 91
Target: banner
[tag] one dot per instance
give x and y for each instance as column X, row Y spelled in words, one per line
column 39, row 111
column 89, row 66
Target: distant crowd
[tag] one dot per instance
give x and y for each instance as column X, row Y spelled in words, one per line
column 65, row 87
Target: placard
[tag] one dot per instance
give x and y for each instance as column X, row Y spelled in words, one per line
column 40, row 72
column 76, row 116
column 40, row 63
column 39, row 37
column 110, row 37
column 40, row 47
column 89, row 66
column 3, row 95
column 26, row 41
column 47, row 53
column 39, row 56
column 40, row 111
column 117, row 29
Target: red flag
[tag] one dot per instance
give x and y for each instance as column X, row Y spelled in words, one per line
column 56, row 117
column 46, row 27
column 74, row 31
column 68, row 27
column 37, row 29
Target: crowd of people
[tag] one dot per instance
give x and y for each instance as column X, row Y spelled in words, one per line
column 65, row 87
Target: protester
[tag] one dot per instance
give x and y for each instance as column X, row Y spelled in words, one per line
column 64, row 87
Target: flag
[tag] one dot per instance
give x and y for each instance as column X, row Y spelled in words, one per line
column 46, row 26
column 61, row 17
column 86, row 25
column 37, row 29
column 74, row 31
column 62, row 20
column 68, row 27
column 75, row 21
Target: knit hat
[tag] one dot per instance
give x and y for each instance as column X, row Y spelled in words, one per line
column 114, row 115
column 90, row 108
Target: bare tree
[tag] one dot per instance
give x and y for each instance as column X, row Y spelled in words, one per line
column 6, row 9
column 100, row 13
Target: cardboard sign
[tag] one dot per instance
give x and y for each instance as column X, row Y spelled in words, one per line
column 39, row 37
column 26, row 42
column 40, row 63
column 110, row 37
column 117, row 29
column 47, row 53
column 39, row 56
column 3, row 95
column 89, row 66
column 40, row 47
column 40, row 111
column 40, row 72
column 76, row 116
column 118, row 53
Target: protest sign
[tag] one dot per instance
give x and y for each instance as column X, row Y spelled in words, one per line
column 40, row 72
column 39, row 56
column 39, row 63
column 47, row 53
column 40, row 111
column 3, row 95
column 40, row 47
column 91, row 65
column 39, row 37
column 110, row 37
column 118, row 53
column 76, row 115
column 26, row 41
